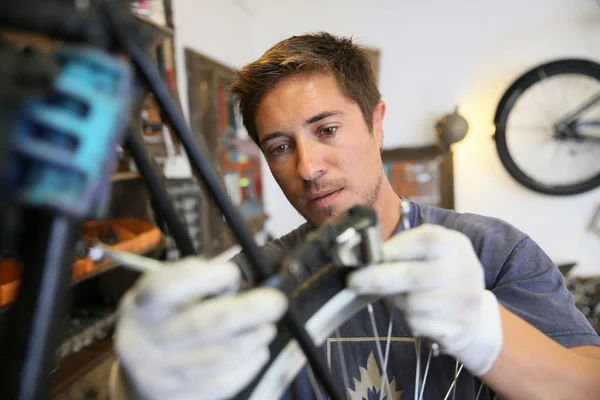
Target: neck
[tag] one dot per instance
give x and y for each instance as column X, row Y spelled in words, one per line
column 387, row 207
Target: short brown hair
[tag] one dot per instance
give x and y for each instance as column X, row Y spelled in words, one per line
column 319, row 53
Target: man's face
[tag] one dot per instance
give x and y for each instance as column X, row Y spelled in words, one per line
column 319, row 147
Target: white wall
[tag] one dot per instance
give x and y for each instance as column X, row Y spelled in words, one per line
column 435, row 54
column 223, row 30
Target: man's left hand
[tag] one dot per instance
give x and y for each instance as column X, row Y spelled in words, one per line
column 436, row 279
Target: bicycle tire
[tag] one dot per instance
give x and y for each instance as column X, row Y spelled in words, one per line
column 505, row 106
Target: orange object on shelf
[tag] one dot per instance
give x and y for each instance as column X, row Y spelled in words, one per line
column 135, row 236
column 146, row 236
column 10, row 279
column 91, row 232
column 80, row 266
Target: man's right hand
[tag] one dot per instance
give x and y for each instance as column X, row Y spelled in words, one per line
column 174, row 343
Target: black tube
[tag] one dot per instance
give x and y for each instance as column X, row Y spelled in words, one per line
column 34, row 322
column 201, row 166
column 160, row 197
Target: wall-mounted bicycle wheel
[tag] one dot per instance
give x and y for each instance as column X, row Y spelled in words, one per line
column 548, row 127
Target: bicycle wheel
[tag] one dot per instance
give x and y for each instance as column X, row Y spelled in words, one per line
column 548, row 127
column 325, row 305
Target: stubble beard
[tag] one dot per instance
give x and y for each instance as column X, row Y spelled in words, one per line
column 373, row 194
column 367, row 199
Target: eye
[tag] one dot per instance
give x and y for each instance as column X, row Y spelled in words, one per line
column 329, row 131
column 280, row 149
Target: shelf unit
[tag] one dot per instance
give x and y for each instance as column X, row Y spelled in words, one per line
column 160, row 44
column 77, row 365
column 213, row 120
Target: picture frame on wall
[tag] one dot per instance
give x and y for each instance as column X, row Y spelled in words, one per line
column 422, row 174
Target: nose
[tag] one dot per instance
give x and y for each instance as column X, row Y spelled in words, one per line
column 311, row 163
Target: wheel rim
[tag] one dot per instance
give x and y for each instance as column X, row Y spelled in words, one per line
column 531, row 136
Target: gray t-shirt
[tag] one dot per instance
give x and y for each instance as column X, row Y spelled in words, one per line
column 517, row 271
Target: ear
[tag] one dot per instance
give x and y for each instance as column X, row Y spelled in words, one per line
column 378, row 115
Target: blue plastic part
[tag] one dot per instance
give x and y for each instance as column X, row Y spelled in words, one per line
column 64, row 145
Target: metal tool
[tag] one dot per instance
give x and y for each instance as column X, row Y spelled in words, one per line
column 359, row 241
column 146, row 264
column 405, row 214
column 129, row 260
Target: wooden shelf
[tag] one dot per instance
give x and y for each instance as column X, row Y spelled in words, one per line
column 24, row 38
column 125, row 176
column 111, row 266
column 413, row 153
column 74, row 281
column 75, row 365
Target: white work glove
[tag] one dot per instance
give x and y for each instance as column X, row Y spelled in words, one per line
column 174, row 345
column 436, row 279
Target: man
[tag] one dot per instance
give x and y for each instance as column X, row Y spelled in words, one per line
column 481, row 289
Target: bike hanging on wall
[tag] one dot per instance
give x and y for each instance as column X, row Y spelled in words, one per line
column 547, row 127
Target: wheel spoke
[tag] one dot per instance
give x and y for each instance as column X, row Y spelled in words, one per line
column 313, row 382
column 455, row 380
column 450, row 390
column 342, row 361
column 553, row 162
column 425, row 375
column 543, row 76
column 379, row 351
column 387, row 350
column 418, row 371
column 530, row 128
column 479, row 391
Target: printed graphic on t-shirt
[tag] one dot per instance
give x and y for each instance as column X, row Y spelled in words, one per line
column 364, row 366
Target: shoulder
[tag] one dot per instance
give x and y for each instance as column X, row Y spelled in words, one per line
column 495, row 241
column 480, row 229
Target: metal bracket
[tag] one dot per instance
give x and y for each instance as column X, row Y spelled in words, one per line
column 360, row 242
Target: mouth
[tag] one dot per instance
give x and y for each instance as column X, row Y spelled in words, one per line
column 324, row 198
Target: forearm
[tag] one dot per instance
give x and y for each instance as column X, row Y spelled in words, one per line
column 532, row 366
